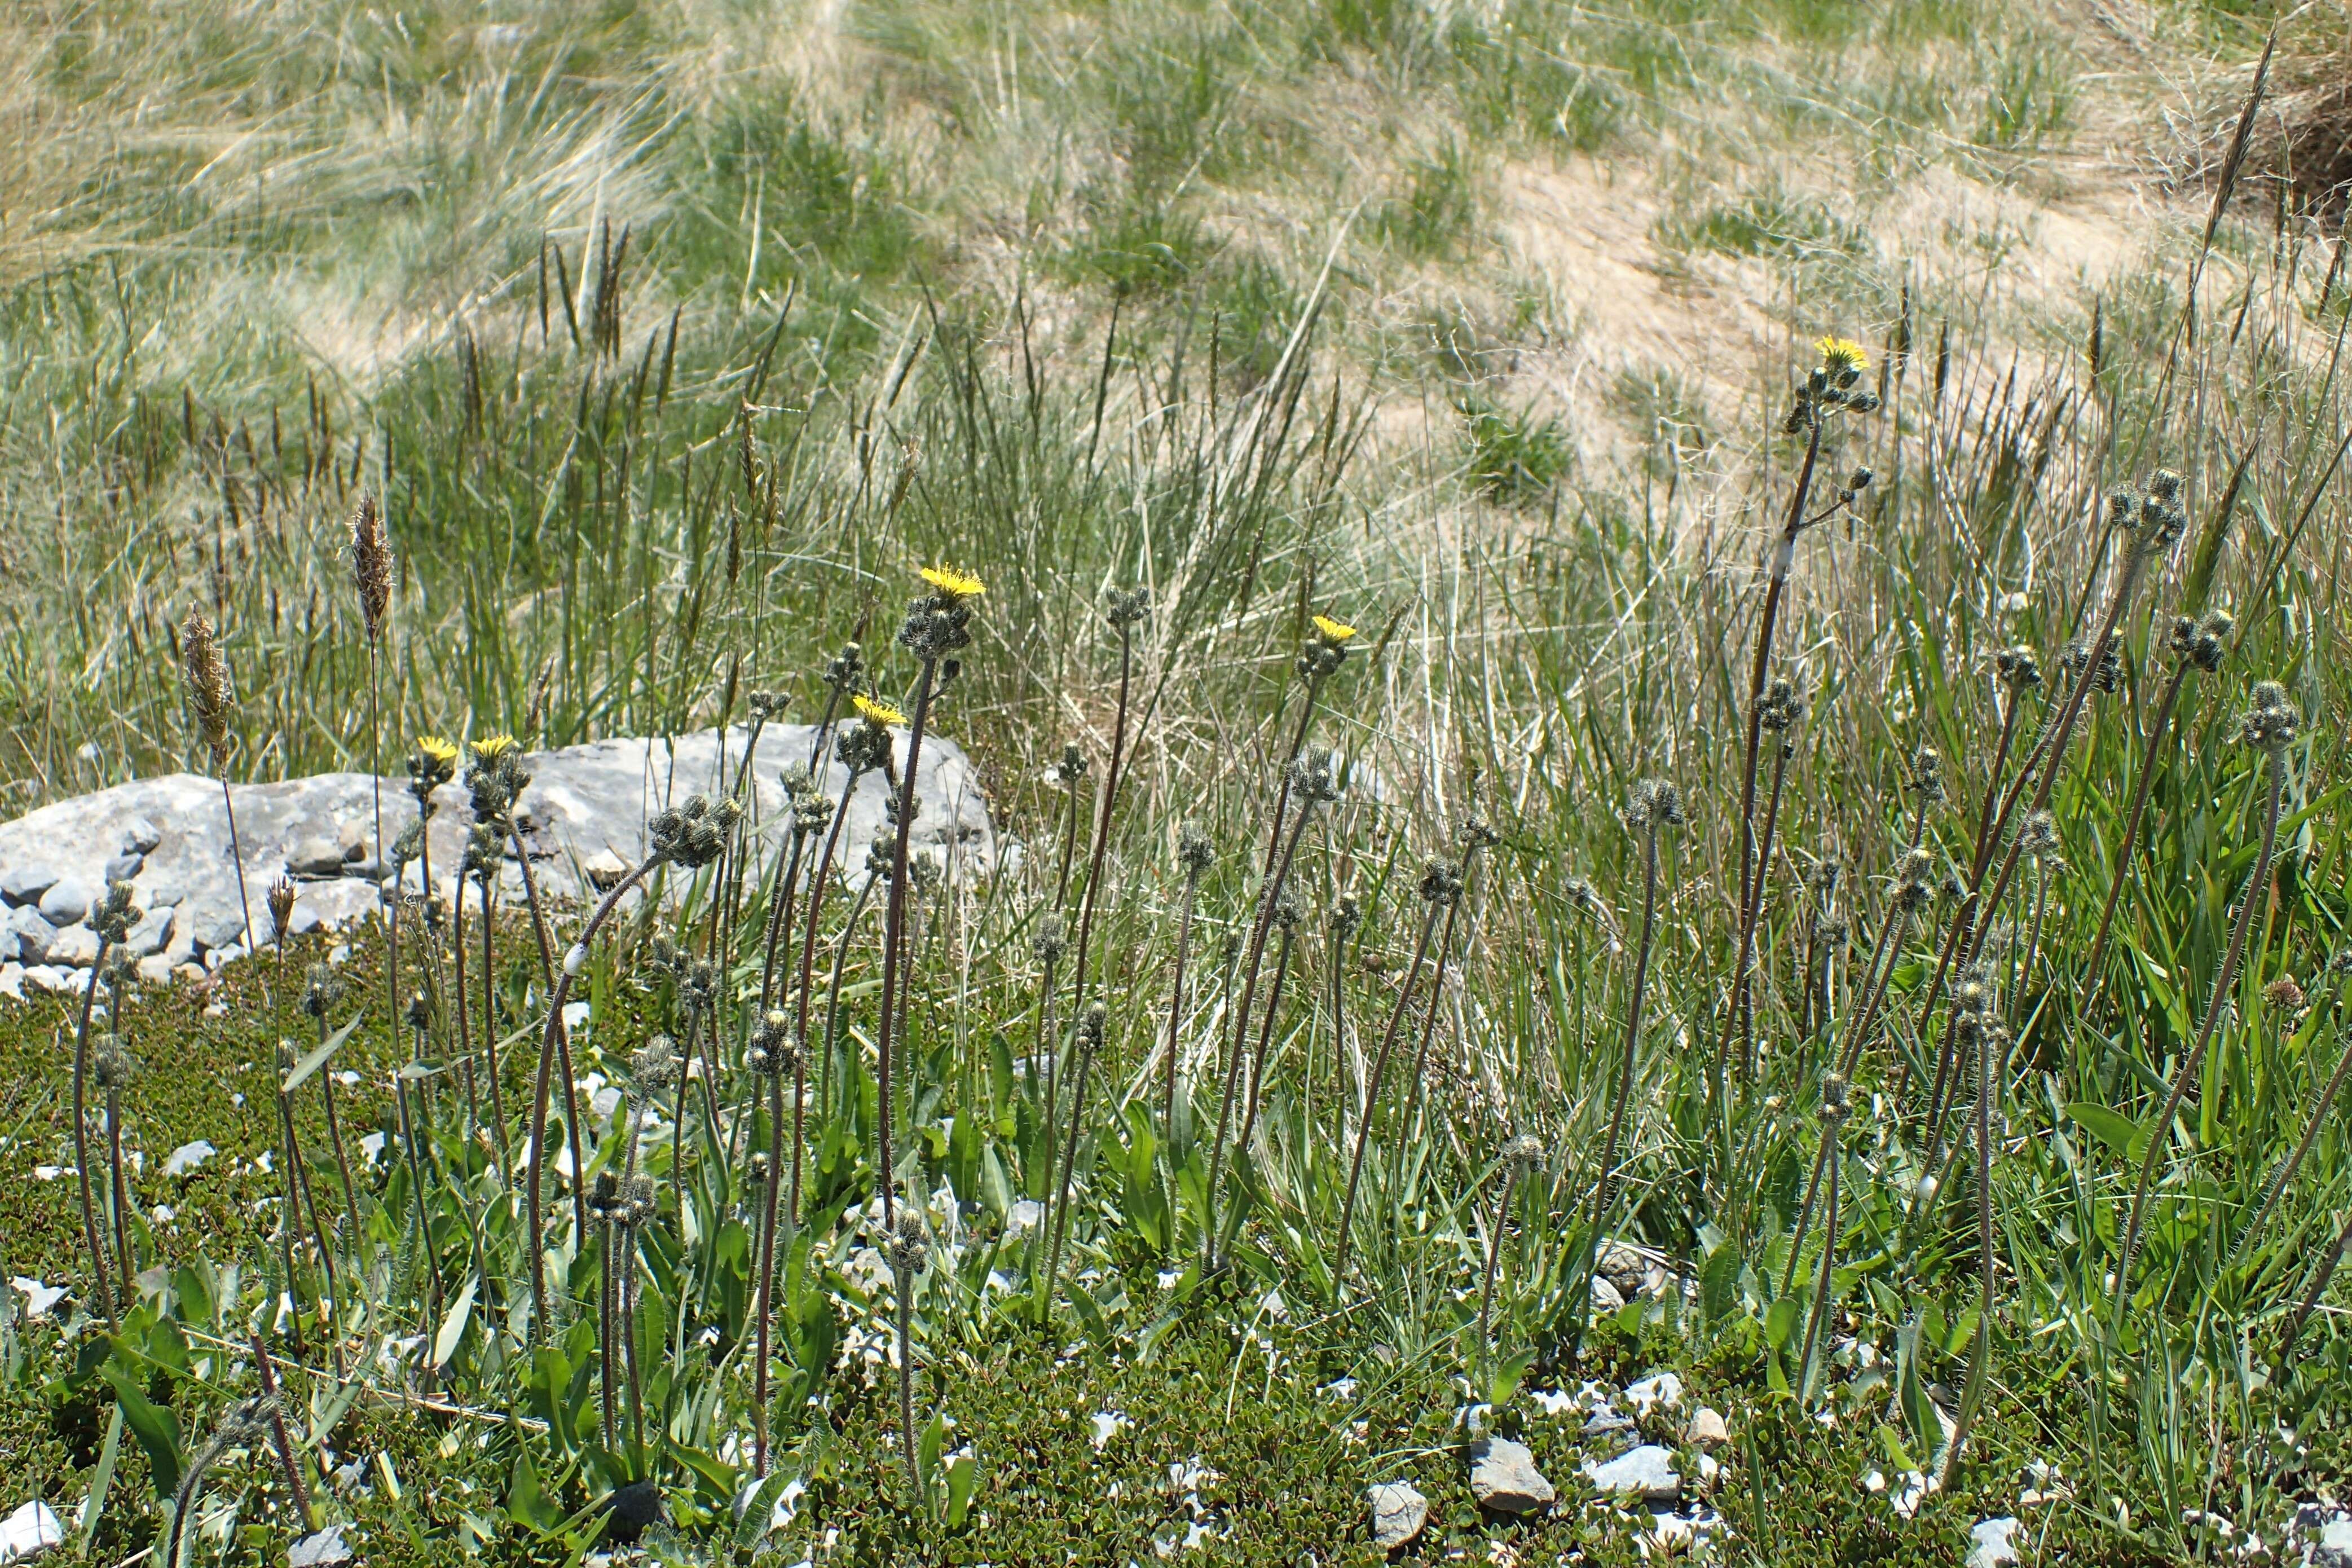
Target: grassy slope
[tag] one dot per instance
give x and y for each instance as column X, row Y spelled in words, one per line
column 315, row 257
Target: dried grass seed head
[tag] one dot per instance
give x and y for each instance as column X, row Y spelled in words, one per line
column 371, row 564
column 1526, row 1149
column 212, row 697
column 2284, row 994
column 280, row 900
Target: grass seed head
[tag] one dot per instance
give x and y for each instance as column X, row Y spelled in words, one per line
column 212, row 698
column 281, row 905
column 371, row 564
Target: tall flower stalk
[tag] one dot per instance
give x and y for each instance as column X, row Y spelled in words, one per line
column 862, row 748
column 689, row 835
column 1978, row 1002
column 2197, row 645
column 1654, row 804
column 322, row 988
column 1831, row 389
column 1089, row 1041
column 1441, row 884
column 774, row 1053
column 1776, row 712
column 2270, row 726
column 938, row 624
column 1836, row 1104
column 1520, row 1155
column 906, row 1250
column 115, row 917
column 1193, row 857
column 1314, row 780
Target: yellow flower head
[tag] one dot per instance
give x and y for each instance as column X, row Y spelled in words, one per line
column 440, row 748
column 955, row 584
column 491, row 748
column 1841, row 354
column 1333, row 631
column 881, row 715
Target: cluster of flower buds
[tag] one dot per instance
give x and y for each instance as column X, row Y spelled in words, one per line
column 624, row 1203
column 1915, row 881
column 2272, row 724
column 2150, row 514
column 1927, row 780
column 812, row 807
column 692, row 834
column 495, row 777
column 431, row 765
column 1314, row 778
column 1782, row 706
column 2107, row 678
column 2017, row 668
column 864, row 746
column 1653, row 804
column 115, row 914
column 1831, row 386
column 1126, row 607
column 322, row 988
column 1441, row 882
column 771, row 1052
column 1194, row 853
column 845, row 669
column 655, row 1067
column 2203, row 642
column 1326, row 650
column 939, row 624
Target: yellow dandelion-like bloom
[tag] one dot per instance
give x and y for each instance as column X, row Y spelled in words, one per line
column 955, row 584
column 1333, row 631
column 1842, row 353
column 440, row 748
column 491, row 748
column 881, row 715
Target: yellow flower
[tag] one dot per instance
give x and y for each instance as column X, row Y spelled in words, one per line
column 440, row 748
column 489, row 748
column 1842, row 353
column 1333, row 631
column 878, row 714
column 955, row 584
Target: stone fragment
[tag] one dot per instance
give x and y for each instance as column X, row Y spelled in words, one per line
column 1647, row 1472
column 30, row 1532
column 140, row 836
column 153, row 928
column 1660, row 1390
column 123, row 867
column 315, row 857
column 1606, row 1298
column 1707, row 1429
column 24, row 934
column 75, row 945
column 1398, row 1513
column 1503, row 1478
column 1989, row 1545
column 24, row 883
column 68, row 901
column 351, row 840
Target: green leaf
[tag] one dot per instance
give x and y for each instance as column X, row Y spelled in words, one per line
column 927, row 1447
column 963, row 1473
column 94, row 1506
column 1718, row 1280
column 453, row 1323
column 2111, row 1126
column 318, row 1059
column 1508, row 1373
column 527, row 1503
column 1781, row 1320
column 157, row 1429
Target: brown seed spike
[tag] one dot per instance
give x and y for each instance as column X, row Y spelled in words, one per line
column 210, row 696
column 371, row 564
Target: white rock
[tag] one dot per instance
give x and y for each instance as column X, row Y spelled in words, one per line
column 25, row 882
column 1107, row 1425
column 1647, row 1472
column 1606, row 1298
column 68, row 901
column 1503, row 1478
column 75, row 946
column 1661, row 1390
column 30, row 1531
column 323, row 1549
column 2334, row 1549
column 12, row 980
column 1398, row 1513
column 1706, row 1429
column 1989, row 1545
column 187, row 1157
column 40, row 1300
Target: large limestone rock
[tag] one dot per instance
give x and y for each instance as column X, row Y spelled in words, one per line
column 583, row 816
